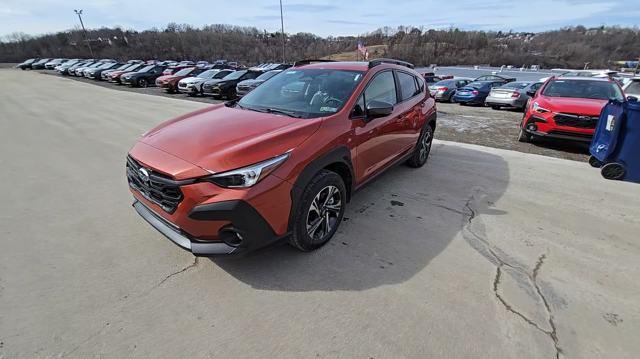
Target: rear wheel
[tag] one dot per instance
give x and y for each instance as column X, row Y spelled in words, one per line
column 423, row 148
column 319, row 212
column 495, row 107
column 613, row 171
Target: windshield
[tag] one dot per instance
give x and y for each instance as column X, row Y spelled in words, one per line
column 106, row 66
column 122, row 67
column 207, row 74
column 234, row 75
column 304, row 92
column 515, row 85
column 267, row 75
column 147, row 68
column 599, row 90
column 184, row 72
column 221, row 74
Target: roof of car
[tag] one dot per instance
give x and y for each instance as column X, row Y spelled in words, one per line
column 344, row 65
column 582, row 78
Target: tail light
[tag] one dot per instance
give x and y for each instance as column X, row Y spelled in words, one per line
column 443, row 89
column 475, row 92
column 515, row 94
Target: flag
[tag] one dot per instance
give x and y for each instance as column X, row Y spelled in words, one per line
column 363, row 50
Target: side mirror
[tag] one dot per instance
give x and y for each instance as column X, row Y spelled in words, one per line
column 531, row 93
column 632, row 98
column 377, row 109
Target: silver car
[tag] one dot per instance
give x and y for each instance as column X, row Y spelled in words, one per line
column 512, row 95
column 632, row 88
column 444, row 90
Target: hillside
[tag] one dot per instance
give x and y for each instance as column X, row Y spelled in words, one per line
column 375, row 51
column 567, row 48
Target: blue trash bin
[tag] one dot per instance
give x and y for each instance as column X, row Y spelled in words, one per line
column 616, row 144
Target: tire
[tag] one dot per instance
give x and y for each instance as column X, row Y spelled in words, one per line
column 524, row 136
column 450, row 99
column 423, row 148
column 613, row 171
column 495, row 107
column 142, row 83
column 310, row 230
column 594, row 162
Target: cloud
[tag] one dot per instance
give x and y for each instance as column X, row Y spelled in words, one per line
column 303, row 7
column 347, row 22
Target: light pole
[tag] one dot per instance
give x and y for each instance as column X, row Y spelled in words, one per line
column 84, row 31
column 282, row 29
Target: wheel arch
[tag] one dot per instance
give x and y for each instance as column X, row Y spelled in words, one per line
column 337, row 160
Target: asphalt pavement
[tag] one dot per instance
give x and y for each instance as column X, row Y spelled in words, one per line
column 482, row 253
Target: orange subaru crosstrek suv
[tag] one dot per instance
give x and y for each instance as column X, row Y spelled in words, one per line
column 283, row 161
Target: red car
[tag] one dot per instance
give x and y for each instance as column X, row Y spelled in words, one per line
column 170, row 82
column 173, row 69
column 567, row 108
column 115, row 75
column 283, row 161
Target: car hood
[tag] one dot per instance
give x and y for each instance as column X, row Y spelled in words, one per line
column 251, row 82
column 582, row 106
column 168, row 78
column 220, row 138
column 192, row 80
column 212, row 82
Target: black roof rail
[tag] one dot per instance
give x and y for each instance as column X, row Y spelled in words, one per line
column 376, row 62
column 310, row 61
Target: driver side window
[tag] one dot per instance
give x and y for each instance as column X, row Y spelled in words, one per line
column 381, row 88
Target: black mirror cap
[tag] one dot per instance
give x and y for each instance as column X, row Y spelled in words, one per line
column 632, row 99
column 377, row 109
column 531, row 93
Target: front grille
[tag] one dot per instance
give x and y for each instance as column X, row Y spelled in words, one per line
column 573, row 120
column 155, row 187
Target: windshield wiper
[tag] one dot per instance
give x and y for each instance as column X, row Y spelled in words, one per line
column 282, row 112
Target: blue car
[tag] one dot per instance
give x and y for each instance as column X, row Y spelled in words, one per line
column 476, row 92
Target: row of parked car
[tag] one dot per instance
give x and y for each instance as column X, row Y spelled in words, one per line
column 564, row 107
column 221, row 79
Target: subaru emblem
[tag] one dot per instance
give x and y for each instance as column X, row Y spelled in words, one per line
column 144, row 174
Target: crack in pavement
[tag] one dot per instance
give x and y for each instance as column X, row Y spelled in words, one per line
column 492, row 255
column 192, row 265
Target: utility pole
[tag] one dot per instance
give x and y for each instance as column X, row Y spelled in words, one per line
column 84, row 31
column 283, row 36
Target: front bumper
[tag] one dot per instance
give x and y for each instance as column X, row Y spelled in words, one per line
column 180, row 239
column 245, row 223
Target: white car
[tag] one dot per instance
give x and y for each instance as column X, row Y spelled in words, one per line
column 193, row 85
column 632, row 88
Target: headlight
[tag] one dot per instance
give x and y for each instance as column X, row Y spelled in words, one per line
column 537, row 108
column 247, row 176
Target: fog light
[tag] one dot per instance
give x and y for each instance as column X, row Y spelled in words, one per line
column 231, row 236
column 532, row 127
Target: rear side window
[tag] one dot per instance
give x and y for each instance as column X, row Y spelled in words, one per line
column 382, row 88
column 407, row 84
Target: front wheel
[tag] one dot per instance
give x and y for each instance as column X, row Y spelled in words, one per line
column 319, row 211
column 423, row 148
column 143, row 83
column 495, row 107
column 594, row 162
column 524, row 136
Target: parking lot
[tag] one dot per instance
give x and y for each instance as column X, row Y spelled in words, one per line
column 482, row 253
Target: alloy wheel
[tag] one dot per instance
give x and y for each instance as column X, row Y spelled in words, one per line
column 425, row 144
column 323, row 213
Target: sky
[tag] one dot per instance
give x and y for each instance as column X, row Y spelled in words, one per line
column 324, row 18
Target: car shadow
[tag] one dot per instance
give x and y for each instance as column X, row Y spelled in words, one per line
column 392, row 228
column 562, row 145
